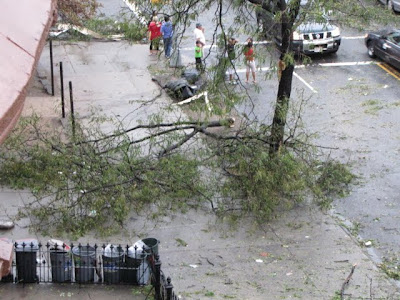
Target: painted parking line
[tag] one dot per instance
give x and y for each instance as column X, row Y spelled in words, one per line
column 390, row 70
column 215, row 46
column 266, row 69
column 346, row 64
column 353, row 37
column 305, row 82
column 264, row 42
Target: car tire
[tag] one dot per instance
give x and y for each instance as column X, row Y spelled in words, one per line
column 371, row 50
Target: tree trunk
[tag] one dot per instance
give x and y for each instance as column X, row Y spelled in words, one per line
column 286, row 68
column 281, row 109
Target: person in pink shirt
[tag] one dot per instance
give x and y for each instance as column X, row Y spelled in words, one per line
column 154, row 35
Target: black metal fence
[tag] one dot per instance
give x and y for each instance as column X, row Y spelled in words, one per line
column 34, row 262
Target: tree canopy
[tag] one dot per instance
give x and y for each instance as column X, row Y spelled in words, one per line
column 89, row 180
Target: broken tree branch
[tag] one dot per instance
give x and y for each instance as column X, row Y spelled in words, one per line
column 346, row 282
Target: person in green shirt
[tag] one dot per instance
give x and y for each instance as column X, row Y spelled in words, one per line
column 198, row 54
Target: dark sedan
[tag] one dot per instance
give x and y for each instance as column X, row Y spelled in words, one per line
column 385, row 44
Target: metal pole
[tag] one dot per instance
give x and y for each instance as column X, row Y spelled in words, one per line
column 71, row 99
column 157, row 288
column 51, row 67
column 169, row 288
column 62, row 90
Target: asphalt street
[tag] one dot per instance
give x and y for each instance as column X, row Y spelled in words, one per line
column 352, row 107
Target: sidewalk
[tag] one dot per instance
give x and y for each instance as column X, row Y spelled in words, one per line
column 49, row 291
column 304, row 254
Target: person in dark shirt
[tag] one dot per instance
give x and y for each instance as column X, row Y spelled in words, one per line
column 230, row 49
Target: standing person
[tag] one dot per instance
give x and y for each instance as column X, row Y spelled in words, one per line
column 199, row 34
column 154, row 35
column 198, row 54
column 230, row 49
column 154, row 13
column 167, row 32
column 249, row 58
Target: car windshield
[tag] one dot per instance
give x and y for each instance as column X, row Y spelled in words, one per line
column 309, row 13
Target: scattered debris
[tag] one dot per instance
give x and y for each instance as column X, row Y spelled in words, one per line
column 194, row 266
column 191, row 75
column 181, row 89
column 259, row 260
column 368, row 244
column 207, row 260
column 6, row 254
column 346, row 282
column 181, row 242
column 228, row 281
column 85, row 31
column 58, row 244
column 6, row 224
column 265, row 254
column 205, row 94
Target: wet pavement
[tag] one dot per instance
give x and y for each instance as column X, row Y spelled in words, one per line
column 304, row 253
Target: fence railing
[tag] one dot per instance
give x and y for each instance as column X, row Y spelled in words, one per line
column 34, row 262
column 163, row 289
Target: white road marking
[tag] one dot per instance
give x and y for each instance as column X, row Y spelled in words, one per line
column 356, row 63
column 341, row 64
column 305, row 82
column 215, row 46
column 269, row 42
column 264, row 69
column 353, row 37
column 192, row 48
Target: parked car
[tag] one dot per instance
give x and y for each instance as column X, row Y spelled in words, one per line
column 385, row 44
column 314, row 35
column 391, row 4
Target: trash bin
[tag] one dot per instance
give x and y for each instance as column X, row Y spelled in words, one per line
column 61, row 264
column 26, row 252
column 85, row 262
column 137, row 269
column 113, row 261
column 152, row 245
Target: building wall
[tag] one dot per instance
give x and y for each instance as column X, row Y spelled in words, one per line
column 24, row 27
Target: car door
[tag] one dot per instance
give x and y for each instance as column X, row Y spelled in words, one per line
column 392, row 47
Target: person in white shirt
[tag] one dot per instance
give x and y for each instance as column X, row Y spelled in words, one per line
column 199, row 34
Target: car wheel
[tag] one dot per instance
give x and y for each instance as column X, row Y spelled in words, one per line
column 371, row 50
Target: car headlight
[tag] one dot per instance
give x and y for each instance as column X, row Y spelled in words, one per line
column 297, row 36
column 336, row 32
